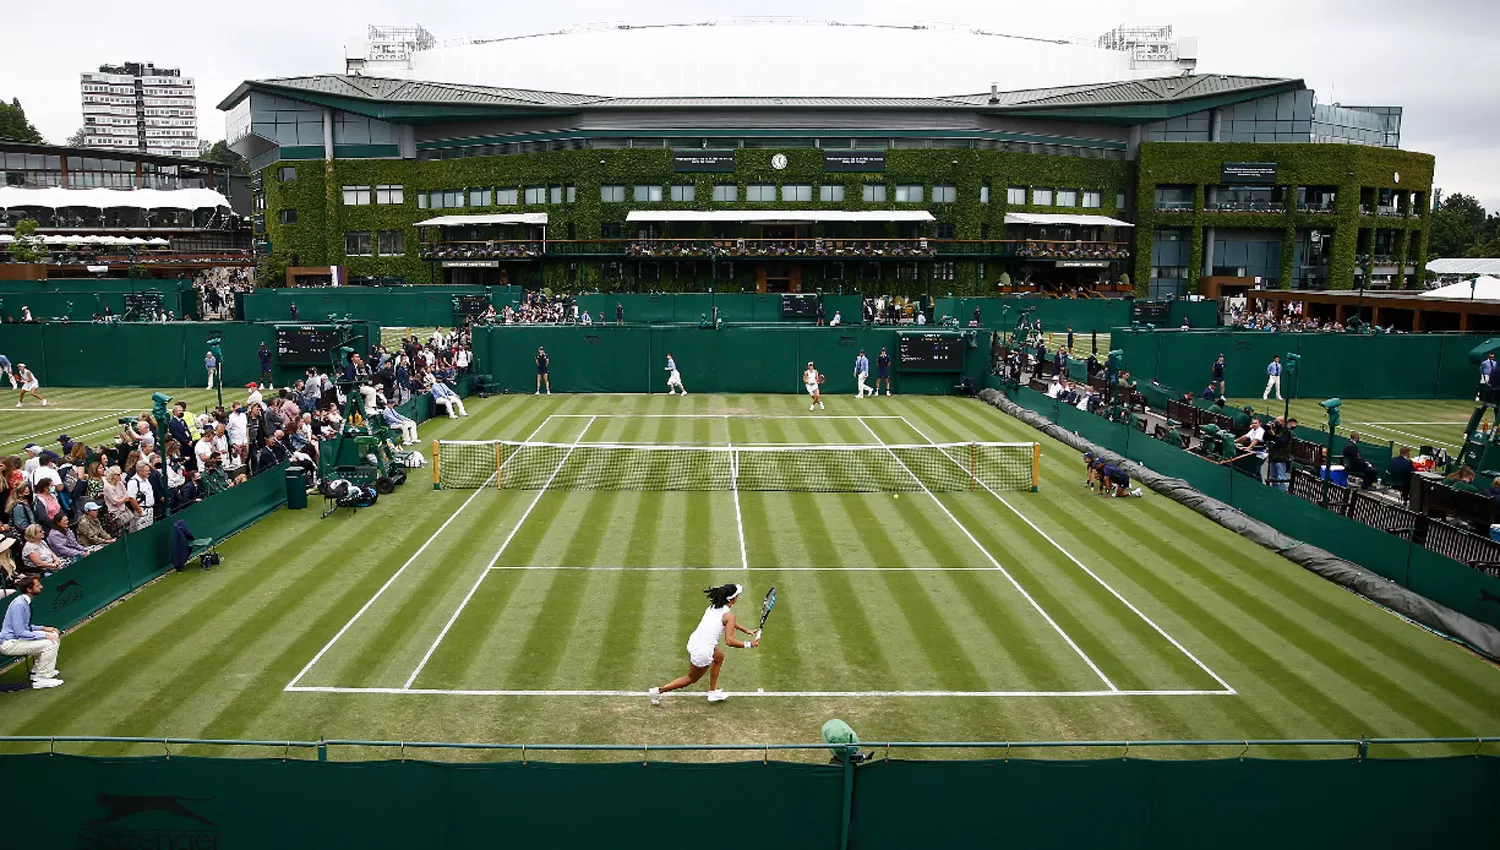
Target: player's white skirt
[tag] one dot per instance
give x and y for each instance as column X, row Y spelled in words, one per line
column 674, row 379
column 700, row 656
column 811, row 388
column 29, row 385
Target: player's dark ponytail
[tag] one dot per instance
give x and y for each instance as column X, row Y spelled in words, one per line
column 719, row 596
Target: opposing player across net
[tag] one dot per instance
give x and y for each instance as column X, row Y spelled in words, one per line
column 809, row 468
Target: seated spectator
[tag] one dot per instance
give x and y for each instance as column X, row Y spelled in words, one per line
column 44, row 504
column 1209, row 394
column 1398, row 474
column 443, row 395
column 91, row 531
column 36, row 555
column 1355, row 465
column 1464, row 475
column 187, row 494
column 405, row 425
column 64, row 542
column 19, row 511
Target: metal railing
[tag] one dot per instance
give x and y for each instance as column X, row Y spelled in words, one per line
column 829, row 248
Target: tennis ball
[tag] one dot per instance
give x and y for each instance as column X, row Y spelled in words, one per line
column 895, row 495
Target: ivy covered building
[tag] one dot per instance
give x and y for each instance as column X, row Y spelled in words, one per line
column 1165, row 184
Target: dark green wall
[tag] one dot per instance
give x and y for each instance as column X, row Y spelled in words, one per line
column 389, row 306
column 80, row 299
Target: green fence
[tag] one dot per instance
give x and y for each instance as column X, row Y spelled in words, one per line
column 409, row 306
column 81, row 299
column 1443, row 580
column 691, row 307
column 1344, row 365
column 631, row 359
column 288, row 802
column 1059, row 314
column 77, row 591
column 150, row 354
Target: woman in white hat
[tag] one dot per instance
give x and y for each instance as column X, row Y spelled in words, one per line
column 703, row 649
column 28, row 385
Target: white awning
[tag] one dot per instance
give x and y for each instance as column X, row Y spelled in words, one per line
column 1065, row 218
column 1464, row 265
column 145, row 199
column 91, row 239
column 1483, row 288
column 778, row 215
column 503, row 218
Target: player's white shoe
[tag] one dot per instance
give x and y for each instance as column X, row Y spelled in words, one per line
column 655, row 694
column 809, row 407
column 887, row 392
column 717, row 695
column 1136, row 492
column 820, row 405
column 44, row 402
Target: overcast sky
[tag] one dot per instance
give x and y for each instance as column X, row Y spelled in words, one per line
column 1439, row 59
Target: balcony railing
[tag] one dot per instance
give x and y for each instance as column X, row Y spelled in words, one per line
column 805, row 248
column 1388, row 210
column 1174, row 206
column 1269, row 207
column 1329, row 208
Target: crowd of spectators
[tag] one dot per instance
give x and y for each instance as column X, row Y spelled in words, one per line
column 216, row 288
column 537, row 308
column 1264, row 320
column 811, row 247
column 1074, row 250
column 482, row 250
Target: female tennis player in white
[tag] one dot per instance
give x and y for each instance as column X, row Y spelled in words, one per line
column 703, row 644
column 813, row 381
column 674, row 378
column 28, row 384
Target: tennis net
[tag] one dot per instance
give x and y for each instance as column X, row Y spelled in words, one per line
column 810, row 468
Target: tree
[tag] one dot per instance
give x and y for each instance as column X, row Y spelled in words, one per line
column 76, row 140
column 14, row 126
column 27, row 247
column 1456, row 225
column 220, row 152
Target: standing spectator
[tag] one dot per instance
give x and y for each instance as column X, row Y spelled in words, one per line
column 28, row 384
column 464, row 358
column 1273, row 378
column 1279, row 455
column 1060, row 363
column 1218, row 376
column 117, row 503
column 253, row 394
column 1487, row 369
column 292, row 309
column 619, row 316
column 974, row 323
column 19, row 637
column 1041, row 355
column 264, row 356
column 143, row 493
column 238, row 430
column 1254, row 442
column 1070, row 339
column 819, row 318
column 212, row 366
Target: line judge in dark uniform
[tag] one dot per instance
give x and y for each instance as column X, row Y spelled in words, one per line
column 543, row 363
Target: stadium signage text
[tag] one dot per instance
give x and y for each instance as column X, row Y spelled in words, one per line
column 1082, row 264
column 700, row 160
column 854, row 161
column 1248, row 172
column 471, row 264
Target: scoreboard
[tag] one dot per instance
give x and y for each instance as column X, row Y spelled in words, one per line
column 932, row 352
column 306, row 345
column 798, row 306
column 469, row 306
column 1150, row 311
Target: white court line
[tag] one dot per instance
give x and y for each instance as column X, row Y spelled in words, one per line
column 63, row 429
column 530, row 568
column 486, row 571
column 1082, row 566
column 734, row 484
column 699, row 694
column 1465, row 422
column 1423, row 440
column 1003, row 570
column 392, row 580
column 713, row 416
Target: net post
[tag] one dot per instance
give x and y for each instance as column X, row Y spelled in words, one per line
column 435, row 485
column 1036, row 465
column 973, row 463
column 499, row 462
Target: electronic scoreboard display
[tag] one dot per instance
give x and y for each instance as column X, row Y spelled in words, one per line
column 1150, row 311
column 932, row 352
column 306, row 345
column 470, row 306
column 795, row 305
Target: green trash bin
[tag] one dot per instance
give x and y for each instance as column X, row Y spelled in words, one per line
column 296, row 488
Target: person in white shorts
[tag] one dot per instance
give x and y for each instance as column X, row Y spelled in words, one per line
column 28, row 384
column 813, row 380
column 861, row 375
column 674, row 378
column 9, row 372
column 703, row 644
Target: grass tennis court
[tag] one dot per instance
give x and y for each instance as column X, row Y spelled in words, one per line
column 1412, row 423
column 543, row 615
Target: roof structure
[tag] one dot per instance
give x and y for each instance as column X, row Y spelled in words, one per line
column 54, row 197
column 1148, row 99
column 1465, row 265
column 779, row 215
column 499, row 218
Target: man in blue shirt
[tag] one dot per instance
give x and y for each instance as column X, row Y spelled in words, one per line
column 861, row 375
column 402, row 424
column 1487, row 370
column 19, row 637
column 1273, row 378
column 444, row 396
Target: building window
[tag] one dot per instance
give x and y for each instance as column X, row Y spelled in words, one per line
column 684, row 192
column 1016, row 196
column 648, row 194
column 1041, row 197
column 390, row 243
column 942, row 271
column 760, row 193
column 910, row 193
column 389, row 195
column 611, row 230
column 286, row 173
column 873, row 193
column 536, row 194
column 1092, row 200
column 796, row 193
column 507, row 197
column 726, row 192
column 944, row 194
column 906, row 271
column 356, row 196
column 480, row 197
column 612, row 271
column 1067, row 197
column 979, row 271
column 984, row 193
column 1119, row 200
column 357, row 244
column 650, row 272
column 833, row 271
column 612, row 194
column 287, row 216
column 946, row 231
column 831, row 193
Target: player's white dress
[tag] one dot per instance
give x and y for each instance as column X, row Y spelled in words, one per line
column 674, row 377
column 810, row 378
column 28, row 380
column 704, row 639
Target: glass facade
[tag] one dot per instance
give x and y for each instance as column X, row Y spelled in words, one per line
column 1288, row 117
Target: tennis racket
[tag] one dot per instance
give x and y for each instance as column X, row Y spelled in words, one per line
column 765, row 610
